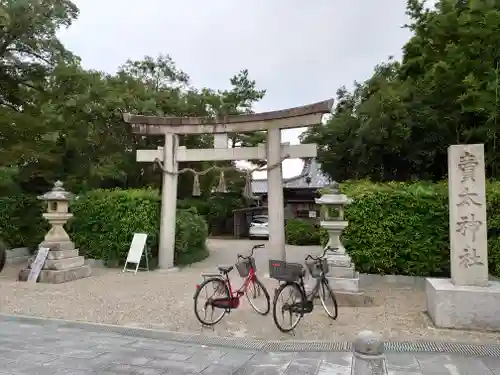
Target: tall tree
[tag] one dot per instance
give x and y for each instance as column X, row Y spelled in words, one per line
column 399, row 123
column 29, row 53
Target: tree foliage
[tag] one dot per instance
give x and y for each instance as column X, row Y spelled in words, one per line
column 398, row 124
column 61, row 121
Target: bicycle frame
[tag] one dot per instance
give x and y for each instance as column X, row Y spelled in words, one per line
column 238, row 293
column 233, row 300
column 306, row 306
column 234, row 295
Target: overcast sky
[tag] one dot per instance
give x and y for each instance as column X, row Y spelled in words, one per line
column 299, row 51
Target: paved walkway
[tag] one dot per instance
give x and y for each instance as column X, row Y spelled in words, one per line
column 49, row 348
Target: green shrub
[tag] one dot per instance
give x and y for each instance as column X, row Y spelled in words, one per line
column 21, row 221
column 190, row 238
column 106, row 220
column 302, row 233
column 400, row 228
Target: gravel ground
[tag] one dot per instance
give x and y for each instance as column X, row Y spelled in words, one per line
column 165, row 301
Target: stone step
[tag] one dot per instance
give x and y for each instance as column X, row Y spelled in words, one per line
column 58, row 276
column 342, row 272
column 58, row 245
column 65, row 263
column 344, row 284
column 62, row 254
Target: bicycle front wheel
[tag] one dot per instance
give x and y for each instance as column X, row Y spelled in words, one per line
column 208, row 290
column 258, row 297
column 328, row 300
column 287, row 297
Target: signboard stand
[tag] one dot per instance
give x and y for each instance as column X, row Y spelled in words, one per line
column 36, row 266
column 137, row 250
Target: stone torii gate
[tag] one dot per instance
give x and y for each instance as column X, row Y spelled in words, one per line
column 273, row 151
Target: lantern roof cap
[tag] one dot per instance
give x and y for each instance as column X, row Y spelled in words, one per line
column 58, row 193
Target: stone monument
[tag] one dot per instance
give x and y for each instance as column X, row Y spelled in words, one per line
column 342, row 276
column 63, row 262
column 469, row 300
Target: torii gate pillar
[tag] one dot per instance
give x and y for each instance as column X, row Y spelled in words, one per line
column 276, row 204
column 168, row 204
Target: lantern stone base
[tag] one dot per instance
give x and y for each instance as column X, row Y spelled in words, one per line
column 59, row 244
column 60, row 266
column 58, row 276
column 463, row 307
column 344, row 281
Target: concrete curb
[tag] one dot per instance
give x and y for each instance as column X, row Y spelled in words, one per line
column 479, row 350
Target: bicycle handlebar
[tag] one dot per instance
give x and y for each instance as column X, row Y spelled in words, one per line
column 322, row 255
column 251, row 253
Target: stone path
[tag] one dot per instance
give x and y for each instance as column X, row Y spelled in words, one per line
column 49, row 348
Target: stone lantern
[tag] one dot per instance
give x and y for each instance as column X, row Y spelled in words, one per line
column 63, row 262
column 57, row 215
column 342, row 276
column 332, row 217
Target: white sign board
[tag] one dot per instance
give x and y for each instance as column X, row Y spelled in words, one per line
column 312, row 214
column 136, row 250
column 38, row 263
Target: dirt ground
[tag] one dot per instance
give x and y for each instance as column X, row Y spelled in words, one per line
column 165, row 301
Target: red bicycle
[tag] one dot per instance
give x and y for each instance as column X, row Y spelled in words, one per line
column 219, row 292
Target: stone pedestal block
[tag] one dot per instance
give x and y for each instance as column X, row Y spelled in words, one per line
column 59, row 267
column 62, row 254
column 344, row 284
column 58, row 276
column 463, row 307
column 62, row 264
column 344, row 281
column 59, row 245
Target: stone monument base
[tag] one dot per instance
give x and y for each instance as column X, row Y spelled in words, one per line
column 463, row 307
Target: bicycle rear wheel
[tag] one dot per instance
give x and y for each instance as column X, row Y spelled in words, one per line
column 208, row 290
column 258, row 297
column 327, row 299
column 287, row 295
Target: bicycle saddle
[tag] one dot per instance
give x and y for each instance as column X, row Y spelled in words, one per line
column 225, row 269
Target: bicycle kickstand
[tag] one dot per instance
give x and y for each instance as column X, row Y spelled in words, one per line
column 203, row 326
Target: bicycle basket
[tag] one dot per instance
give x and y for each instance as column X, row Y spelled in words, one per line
column 315, row 267
column 283, row 271
column 243, row 266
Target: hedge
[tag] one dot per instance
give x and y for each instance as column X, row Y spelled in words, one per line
column 403, row 229
column 105, row 221
column 398, row 229
column 21, row 221
column 394, row 228
column 302, row 232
